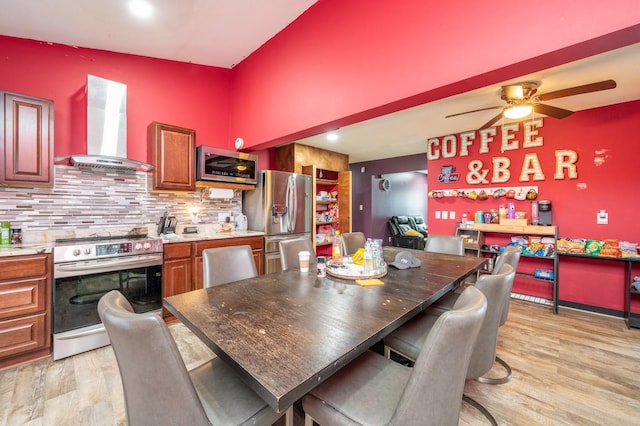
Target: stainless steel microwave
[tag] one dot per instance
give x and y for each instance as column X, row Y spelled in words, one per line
column 215, row 164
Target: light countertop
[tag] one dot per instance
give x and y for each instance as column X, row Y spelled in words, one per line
column 177, row 238
column 47, row 246
column 25, row 249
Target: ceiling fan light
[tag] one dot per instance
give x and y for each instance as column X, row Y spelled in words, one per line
column 518, row 111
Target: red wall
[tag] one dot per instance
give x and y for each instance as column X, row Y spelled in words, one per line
column 181, row 94
column 346, row 60
column 608, row 146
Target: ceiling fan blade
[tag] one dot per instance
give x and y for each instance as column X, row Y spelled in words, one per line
column 587, row 88
column 490, row 122
column 552, row 111
column 475, row 110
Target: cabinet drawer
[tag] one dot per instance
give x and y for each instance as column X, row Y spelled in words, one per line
column 22, row 297
column 256, row 243
column 177, row 251
column 23, row 334
column 13, row 267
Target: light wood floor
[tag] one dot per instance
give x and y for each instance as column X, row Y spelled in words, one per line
column 568, row 369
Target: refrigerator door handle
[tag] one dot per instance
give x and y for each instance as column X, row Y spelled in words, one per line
column 292, row 203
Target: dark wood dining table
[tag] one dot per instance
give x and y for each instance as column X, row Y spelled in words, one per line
column 286, row 332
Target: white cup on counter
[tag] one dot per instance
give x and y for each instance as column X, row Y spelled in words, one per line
column 303, row 261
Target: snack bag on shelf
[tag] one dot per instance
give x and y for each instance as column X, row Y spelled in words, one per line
column 610, row 248
column 564, row 245
column 577, row 245
column 628, row 249
column 519, row 240
column 593, row 247
column 519, row 246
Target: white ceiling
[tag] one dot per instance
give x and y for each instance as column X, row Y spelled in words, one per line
column 223, row 32
column 209, row 32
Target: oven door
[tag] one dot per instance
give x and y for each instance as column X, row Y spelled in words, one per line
column 78, row 286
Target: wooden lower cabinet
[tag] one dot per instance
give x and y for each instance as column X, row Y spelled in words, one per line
column 182, row 265
column 25, row 309
column 176, row 271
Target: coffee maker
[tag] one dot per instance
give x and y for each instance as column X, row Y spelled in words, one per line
column 544, row 212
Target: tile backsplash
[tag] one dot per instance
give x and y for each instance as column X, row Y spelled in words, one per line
column 104, row 201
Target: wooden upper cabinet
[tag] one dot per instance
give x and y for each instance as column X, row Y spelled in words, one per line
column 291, row 158
column 172, row 153
column 26, row 140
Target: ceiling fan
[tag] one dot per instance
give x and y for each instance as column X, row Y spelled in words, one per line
column 521, row 100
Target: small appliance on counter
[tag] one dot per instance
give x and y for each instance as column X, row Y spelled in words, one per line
column 167, row 224
column 544, row 212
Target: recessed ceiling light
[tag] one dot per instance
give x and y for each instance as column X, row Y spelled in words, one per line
column 141, row 8
column 332, row 136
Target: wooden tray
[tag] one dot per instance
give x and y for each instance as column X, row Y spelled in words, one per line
column 354, row 277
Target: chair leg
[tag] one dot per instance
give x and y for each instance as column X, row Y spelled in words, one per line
column 288, row 416
column 480, row 408
column 308, row 420
column 500, row 380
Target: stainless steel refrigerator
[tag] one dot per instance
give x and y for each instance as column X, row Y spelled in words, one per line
column 280, row 206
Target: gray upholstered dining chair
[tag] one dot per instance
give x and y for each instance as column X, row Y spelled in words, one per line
column 409, row 339
column 376, row 390
column 352, row 241
column 289, row 250
column 447, row 244
column 158, row 389
column 510, row 256
column 222, row 265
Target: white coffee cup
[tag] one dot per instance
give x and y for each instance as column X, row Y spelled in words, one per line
column 303, row 261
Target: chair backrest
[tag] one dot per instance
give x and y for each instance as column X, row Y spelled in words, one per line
column 352, row 241
column 510, row 256
column 289, row 250
column 222, row 265
column 157, row 386
column 447, row 244
column 494, row 288
column 394, row 231
column 419, row 225
column 434, row 391
column 402, row 223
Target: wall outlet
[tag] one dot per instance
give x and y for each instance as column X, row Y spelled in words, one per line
column 222, row 217
column 452, row 215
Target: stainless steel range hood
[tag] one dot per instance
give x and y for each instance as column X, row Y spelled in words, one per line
column 107, row 128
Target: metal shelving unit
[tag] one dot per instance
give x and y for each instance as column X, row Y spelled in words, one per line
column 479, row 230
column 631, row 319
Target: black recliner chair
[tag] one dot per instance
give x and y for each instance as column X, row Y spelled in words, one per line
column 417, row 223
column 398, row 225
